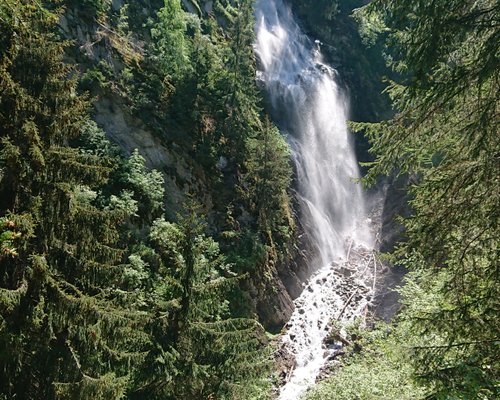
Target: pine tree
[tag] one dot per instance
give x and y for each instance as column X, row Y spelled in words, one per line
column 63, row 331
column 267, row 180
column 200, row 351
column 445, row 134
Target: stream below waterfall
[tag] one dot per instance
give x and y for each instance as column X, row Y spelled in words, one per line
column 311, row 111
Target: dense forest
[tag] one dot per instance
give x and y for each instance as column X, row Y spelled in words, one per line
column 150, row 244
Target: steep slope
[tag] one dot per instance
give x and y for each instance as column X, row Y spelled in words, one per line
column 194, row 124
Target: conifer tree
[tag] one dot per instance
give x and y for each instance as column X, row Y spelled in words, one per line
column 445, row 134
column 240, row 111
column 169, row 35
column 200, row 350
column 63, row 333
column 267, row 180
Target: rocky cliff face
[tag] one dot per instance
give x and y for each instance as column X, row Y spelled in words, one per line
column 104, row 54
column 96, row 42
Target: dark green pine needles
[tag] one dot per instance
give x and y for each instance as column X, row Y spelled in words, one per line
column 100, row 296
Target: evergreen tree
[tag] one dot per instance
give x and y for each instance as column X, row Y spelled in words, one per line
column 62, row 332
column 170, row 47
column 445, row 134
column 239, row 112
column 147, row 186
column 267, row 180
column 200, row 350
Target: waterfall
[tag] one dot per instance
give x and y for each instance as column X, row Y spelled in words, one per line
column 311, row 110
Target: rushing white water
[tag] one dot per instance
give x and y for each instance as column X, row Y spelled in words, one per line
column 309, row 107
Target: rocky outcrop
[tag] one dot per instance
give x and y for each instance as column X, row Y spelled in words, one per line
column 129, row 133
column 96, row 42
column 271, row 291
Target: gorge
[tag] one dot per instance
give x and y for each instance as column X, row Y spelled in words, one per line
column 181, row 209
column 310, row 109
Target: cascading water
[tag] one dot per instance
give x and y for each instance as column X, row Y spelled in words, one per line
column 310, row 109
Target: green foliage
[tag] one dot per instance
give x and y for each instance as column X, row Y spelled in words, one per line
column 62, row 333
column 93, row 141
column 209, row 353
column 267, row 181
column 240, row 108
column 381, row 371
column 170, row 42
column 93, row 79
column 248, row 251
column 451, row 349
column 8, row 237
column 445, row 135
column 214, row 103
column 147, row 185
column 100, row 296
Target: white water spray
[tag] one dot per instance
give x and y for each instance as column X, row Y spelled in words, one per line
column 310, row 109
